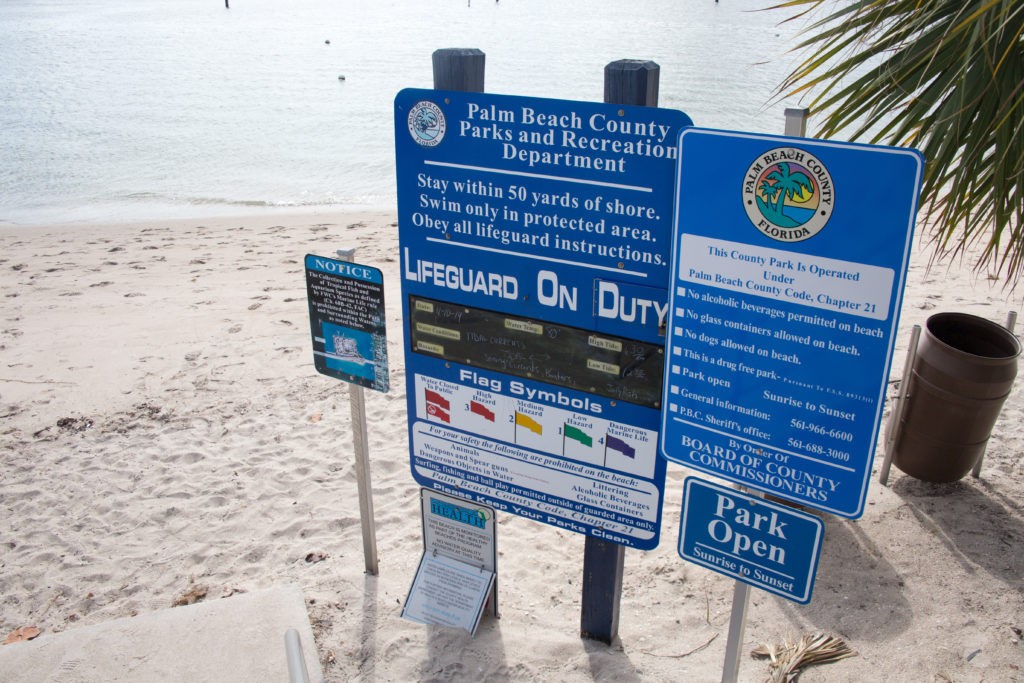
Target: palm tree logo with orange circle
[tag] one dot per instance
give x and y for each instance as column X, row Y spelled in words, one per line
column 788, row 194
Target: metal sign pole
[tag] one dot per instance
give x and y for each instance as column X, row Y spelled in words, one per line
column 737, row 625
column 737, row 621
column 796, row 122
column 796, row 126
column 896, row 420
column 362, row 449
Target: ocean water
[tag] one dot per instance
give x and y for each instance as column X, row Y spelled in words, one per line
column 114, row 110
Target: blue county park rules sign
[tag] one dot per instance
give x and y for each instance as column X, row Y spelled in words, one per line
column 789, row 260
column 764, row 544
column 535, row 239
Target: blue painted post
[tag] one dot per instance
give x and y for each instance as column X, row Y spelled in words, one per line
column 626, row 81
column 458, row 68
column 462, row 69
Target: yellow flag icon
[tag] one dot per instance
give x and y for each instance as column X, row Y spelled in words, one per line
column 529, row 423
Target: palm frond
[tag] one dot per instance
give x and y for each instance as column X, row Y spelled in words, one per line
column 945, row 76
column 787, row 660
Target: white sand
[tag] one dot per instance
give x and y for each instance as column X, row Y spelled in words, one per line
column 163, row 426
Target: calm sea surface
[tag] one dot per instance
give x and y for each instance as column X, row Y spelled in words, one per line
column 114, row 110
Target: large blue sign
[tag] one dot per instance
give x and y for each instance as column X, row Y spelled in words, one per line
column 789, row 261
column 535, row 239
column 758, row 542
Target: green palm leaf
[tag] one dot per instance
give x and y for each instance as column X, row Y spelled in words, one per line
column 945, row 76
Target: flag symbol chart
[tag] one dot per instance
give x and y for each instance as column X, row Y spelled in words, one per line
column 564, row 434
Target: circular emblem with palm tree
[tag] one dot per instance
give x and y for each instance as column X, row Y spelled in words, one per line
column 788, row 194
column 426, row 123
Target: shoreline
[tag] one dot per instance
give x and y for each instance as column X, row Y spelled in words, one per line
column 174, row 215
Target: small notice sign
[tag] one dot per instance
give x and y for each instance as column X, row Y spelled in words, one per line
column 459, row 528
column 346, row 316
column 761, row 543
column 458, row 571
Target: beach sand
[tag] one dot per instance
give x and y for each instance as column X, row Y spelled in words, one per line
column 162, row 428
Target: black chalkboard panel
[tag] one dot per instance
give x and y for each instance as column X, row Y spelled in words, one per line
column 614, row 367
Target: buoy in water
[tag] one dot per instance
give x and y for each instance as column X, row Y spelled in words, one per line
column 341, row 77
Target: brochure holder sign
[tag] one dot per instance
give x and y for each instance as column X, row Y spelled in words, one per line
column 458, row 571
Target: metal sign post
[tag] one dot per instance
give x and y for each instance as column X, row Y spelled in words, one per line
column 899, row 406
column 737, row 627
column 1011, row 324
column 362, row 451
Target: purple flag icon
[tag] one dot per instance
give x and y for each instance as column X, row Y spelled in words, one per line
column 620, row 446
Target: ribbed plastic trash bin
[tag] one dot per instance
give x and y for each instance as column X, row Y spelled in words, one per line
column 963, row 372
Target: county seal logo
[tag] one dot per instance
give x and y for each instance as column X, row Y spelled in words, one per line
column 788, row 194
column 426, row 123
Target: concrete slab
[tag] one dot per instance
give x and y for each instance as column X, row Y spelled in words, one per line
column 240, row 638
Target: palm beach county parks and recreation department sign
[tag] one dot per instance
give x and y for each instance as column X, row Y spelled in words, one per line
column 347, row 323
column 534, row 238
column 789, row 261
column 770, row 546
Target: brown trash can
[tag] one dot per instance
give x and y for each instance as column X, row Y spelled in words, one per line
column 963, row 372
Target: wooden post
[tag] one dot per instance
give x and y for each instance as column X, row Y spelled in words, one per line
column 458, row 68
column 627, row 81
column 603, row 563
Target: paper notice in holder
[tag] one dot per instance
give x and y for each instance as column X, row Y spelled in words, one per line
column 457, row 574
column 447, row 592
